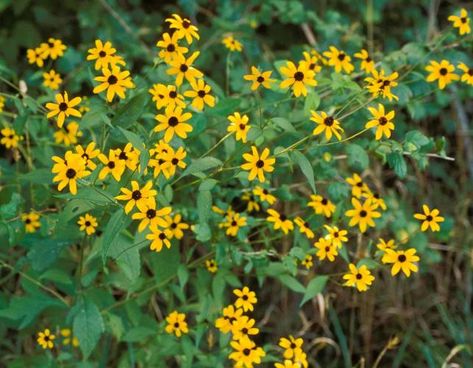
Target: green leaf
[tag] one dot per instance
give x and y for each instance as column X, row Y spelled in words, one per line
column 312, row 102
column 10, row 209
column 94, row 117
column 397, row 163
column 292, row 283
column 165, row 263
column 45, row 251
column 305, row 167
column 284, row 124
column 110, row 235
column 315, row 286
column 204, row 205
column 133, row 138
column 201, row 164
column 131, row 111
column 38, row 176
column 357, row 157
column 87, row 325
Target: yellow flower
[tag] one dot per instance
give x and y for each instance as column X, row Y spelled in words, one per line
column 35, row 57
column 358, row 187
column 88, row 154
column 87, row 223
column 326, row 249
column 380, row 84
column 339, row 60
column 359, row 277
column 129, row 155
column 169, row 47
column 112, row 165
column 159, row 238
column 200, row 94
column 367, row 64
column 280, row 221
column 232, row 44
column 441, row 72
column 233, row 222
column 430, row 218
column 326, row 124
column 287, row 364
column 467, row 76
column 136, row 196
column 63, row 108
column 183, row 28
column 298, row 77
column 381, row 121
column 173, row 122
column 211, row 265
column 292, row 346
column 104, row 55
column 336, row 236
column 9, row 138
column 240, row 125
column 175, row 159
column 69, row 170
column 461, row 22
column 362, row 214
column 310, row 62
column 54, row 48
column 66, row 333
column 321, row 205
column 244, row 326
column 383, row 245
column 307, row 262
column 376, row 200
column 175, row 226
column 246, row 353
column 68, row 134
column 245, row 298
column 115, row 81
column 230, row 314
column 46, row 339
column 181, row 67
column 31, row 221
column 252, row 204
column 264, row 195
column 52, row 79
column 401, row 261
column 150, row 216
column 176, row 324
column 304, row 227
column 259, row 78
column 2, row 103
column 166, row 96
column 258, row 164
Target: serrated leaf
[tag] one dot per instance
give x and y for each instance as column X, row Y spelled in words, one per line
column 357, row 157
column 87, row 325
column 397, row 162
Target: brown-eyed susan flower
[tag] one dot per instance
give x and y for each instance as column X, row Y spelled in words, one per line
column 67, row 337
column 298, row 78
column 359, row 277
column 292, row 346
column 176, row 226
column 88, row 154
column 327, row 124
column 69, row 170
column 245, row 352
column 53, row 49
column 287, row 364
column 239, row 124
column 31, row 221
column 166, row 96
column 129, row 155
column 211, row 265
column 280, row 221
column 175, row 159
column 264, row 195
column 362, row 214
column 442, row 72
column 251, row 202
column 115, row 81
column 259, row 78
column 380, row 84
column 244, row 326
column 159, row 238
column 183, row 28
column 35, row 56
column 200, row 94
column 230, row 314
column 232, row 44
column 358, row 187
column 182, row 67
column 68, row 134
column 137, row 196
column 310, row 62
column 173, row 122
column 326, row 249
column 321, row 205
column 63, row 108
column 383, row 245
column 304, row 227
column 336, row 236
column 367, row 64
column 112, row 165
column 245, row 298
column 176, row 324
column 52, row 79
column 461, row 22
column 467, row 76
column 376, row 199
column 104, row 55
column 308, row 262
column 9, row 138
column 258, row 164
column 87, row 223
column 160, row 156
column 401, row 260
column 46, row 339
column 233, row 222
column 382, row 121
column 430, row 218
column 170, row 47
column 339, row 60
column 149, row 215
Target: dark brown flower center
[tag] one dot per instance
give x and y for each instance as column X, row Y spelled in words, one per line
column 70, row 173
column 328, row 121
column 443, row 71
column 463, row 19
column 173, row 121
column 299, row 76
column 201, row 93
column 112, row 79
column 123, row 156
column 87, row 223
column 162, row 236
column 341, row 56
column 259, row 164
column 246, row 351
column 401, row 258
column 358, row 276
column 260, row 79
column 324, row 201
column 429, row 218
column 63, row 106
column 382, row 120
column 363, row 213
column 171, row 48
column 175, row 161
column 102, row 54
column 183, row 68
column 173, row 94
column 28, row 221
column 136, row 195
column 282, row 217
column 151, row 213
column 111, row 165
column 242, row 126
column 186, row 23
